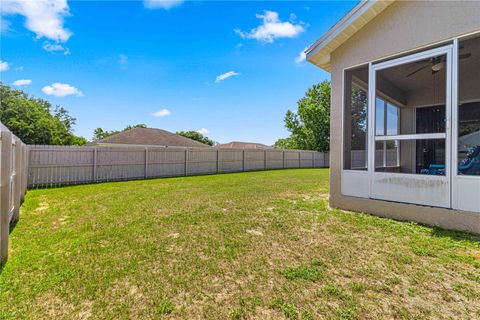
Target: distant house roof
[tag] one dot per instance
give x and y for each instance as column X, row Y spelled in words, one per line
column 242, row 145
column 151, row 137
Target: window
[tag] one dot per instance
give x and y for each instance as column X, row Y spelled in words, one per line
column 379, row 117
column 355, row 119
column 469, row 107
column 386, row 124
column 392, row 120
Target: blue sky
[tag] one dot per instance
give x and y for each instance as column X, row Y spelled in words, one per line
column 232, row 68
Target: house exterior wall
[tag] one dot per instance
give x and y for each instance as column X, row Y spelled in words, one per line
column 402, row 27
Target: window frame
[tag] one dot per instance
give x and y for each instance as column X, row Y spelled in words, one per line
column 376, row 67
column 386, row 103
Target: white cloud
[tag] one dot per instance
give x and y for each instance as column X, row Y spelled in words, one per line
column 302, row 56
column 226, row 75
column 58, row 89
column 43, row 17
column 4, row 66
column 272, row 28
column 161, row 113
column 21, row 82
column 162, row 4
column 55, row 47
column 203, row 131
column 123, row 61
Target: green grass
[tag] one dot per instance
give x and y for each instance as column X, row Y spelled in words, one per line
column 305, row 272
column 259, row 245
column 165, row 307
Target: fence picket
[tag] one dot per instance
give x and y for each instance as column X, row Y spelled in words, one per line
column 61, row 165
column 13, row 175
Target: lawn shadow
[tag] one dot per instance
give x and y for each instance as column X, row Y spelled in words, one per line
column 13, row 224
column 456, row 235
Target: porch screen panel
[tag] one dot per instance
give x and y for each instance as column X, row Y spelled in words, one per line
column 355, row 119
column 410, row 117
column 469, row 107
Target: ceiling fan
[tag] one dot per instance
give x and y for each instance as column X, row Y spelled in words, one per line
column 437, row 63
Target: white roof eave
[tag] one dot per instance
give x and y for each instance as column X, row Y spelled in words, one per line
column 319, row 53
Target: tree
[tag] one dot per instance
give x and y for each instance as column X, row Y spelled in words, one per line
column 34, row 121
column 310, row 124
column 99, row 133
column 288, row 143
column 194, row 135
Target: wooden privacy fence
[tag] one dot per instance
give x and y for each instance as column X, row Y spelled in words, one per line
column 59, row 165
column 13, row 184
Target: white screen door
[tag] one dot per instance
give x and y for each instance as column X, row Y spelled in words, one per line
column 409, row 136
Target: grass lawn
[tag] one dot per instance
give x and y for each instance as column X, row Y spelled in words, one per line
column 261, row 245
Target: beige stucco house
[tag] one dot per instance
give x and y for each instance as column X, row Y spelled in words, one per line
column 405, row 117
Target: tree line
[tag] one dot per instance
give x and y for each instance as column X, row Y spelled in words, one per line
column 36, row 121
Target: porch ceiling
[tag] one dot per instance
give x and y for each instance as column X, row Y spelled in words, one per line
column 426, row 79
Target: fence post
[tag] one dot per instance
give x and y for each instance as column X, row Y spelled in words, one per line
column 217, row 160
column 313, row 159
column 22, row 176
column 186, row 161
column 27, row 167
column 24, row 173
column 265, row 160
column 5, row 186
column 20, row 170
column 146, row 163
column 243, row 160
column 17, row 180
column 299, row 160
column 94, row 164
column 283, row 155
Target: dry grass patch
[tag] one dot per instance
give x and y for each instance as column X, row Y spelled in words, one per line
column 258, row 245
